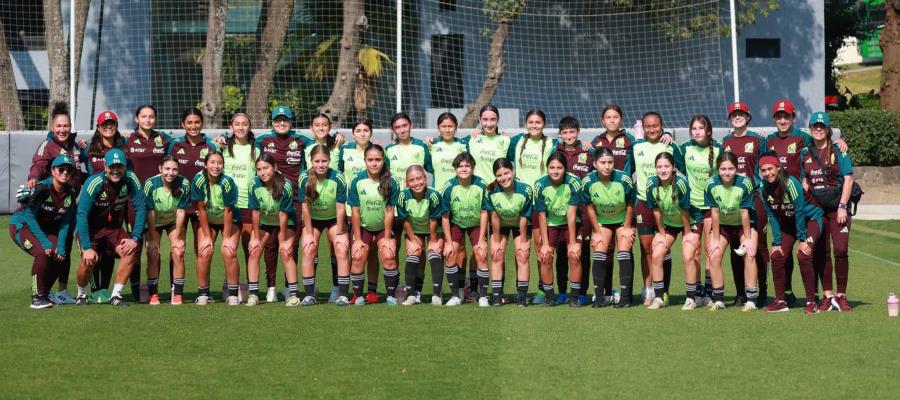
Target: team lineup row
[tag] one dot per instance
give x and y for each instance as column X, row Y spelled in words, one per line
column 275, row 195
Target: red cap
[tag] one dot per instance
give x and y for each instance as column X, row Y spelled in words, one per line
column 107, row 116
column 768, row 160
column 783, row 105
column 738, row 106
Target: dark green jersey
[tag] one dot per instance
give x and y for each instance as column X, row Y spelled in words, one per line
column 364, row 194
column 163, row 202
column 671, row 199
column 555, row 201
column 269, row 207
column 332, row 190
column 217, row 196
column 511, row 206
column 730, row 200
column 419, row 213
column 610, row 200
column 464, row 203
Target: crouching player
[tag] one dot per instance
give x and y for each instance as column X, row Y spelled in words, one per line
column 101, row 212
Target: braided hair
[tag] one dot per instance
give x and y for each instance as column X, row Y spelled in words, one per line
column 540, row 114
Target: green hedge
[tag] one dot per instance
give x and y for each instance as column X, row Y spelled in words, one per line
column 873, row 135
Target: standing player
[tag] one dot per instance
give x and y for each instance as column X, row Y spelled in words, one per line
column 168, row 195
column 41, row 227
column 489, row 144
column 748, row 146
column 419, row 210
column 530, row 151
column 615, row 139
column 828, row 176
column 406, row 150
column 445, row 150
column 509, row 202
column 793, row 217
column 322, row 192
column 240, row 151
column 101, row 212
column 556, row 201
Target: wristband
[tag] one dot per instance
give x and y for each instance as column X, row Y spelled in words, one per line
column 842, row 206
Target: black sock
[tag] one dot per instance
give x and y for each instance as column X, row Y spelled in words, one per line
column 690, row 290
column 391, row 281
column 343, row 284
column 707, row 285
column 483, row 277
column 658, row 288
column 667, row 271
column 373, row 286
column 574, row 289
column 412, row 266
column 548, row 291
column 179, row 286
column 309, row 285
column 437, row 272
column 253, row 287
column 473, row 280
column 718, row 294
column 752, row 293
column 496, row 288
column 598, row 268
column 626, row 274
column 522, row 287
column 203, row 290
column 233, row 290
column 334, row 272
column 293, row 288
column 453, row 280
column 153, row 286
column 420, row 280
column 357, row 281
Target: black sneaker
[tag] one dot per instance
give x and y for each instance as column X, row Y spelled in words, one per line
column 521, row 300
column 600, row 302
column 624, row 302
column 82, row 301
column 38, row 302
column 117, row 301
column 790, row 298
column 739, row 301
column 573, row 301
column 549, row 300
column 496, row 301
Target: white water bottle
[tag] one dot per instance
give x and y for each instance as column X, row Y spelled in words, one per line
column 893, row 305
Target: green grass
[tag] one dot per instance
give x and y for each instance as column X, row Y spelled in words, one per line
column 859, row 82
column 426, row 352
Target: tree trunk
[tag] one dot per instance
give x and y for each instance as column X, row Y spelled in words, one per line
column 211, row 104
column 10, row 108
column 57, row 52
column 890, row 47
column 82, row 7
column 494, row 74
column 277, row 15
column 339, row 102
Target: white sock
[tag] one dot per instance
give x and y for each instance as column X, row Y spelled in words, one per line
column 117, row 290
column 82, row 291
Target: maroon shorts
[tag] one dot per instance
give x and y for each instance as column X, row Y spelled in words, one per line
column 644, row 215
column 28, row 242
column 105, row 240
column 369, row 237
column 246, row 215
column 674, row 231
column 557, row 235
column 324, row 224
column 584, row 229
column 298, row 208
column 458, row 234
column 762, row 219
column 731, row 234
column 515, row 232
column 707, row 213
column 535, row 220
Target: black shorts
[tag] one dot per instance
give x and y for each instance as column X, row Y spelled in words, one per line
column 515, row 232
column 323, row 225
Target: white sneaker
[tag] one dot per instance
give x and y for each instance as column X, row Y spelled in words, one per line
column 63, row 297
column 689, row 304
column 292, row 301
column 749, row 306
column 436, row 301
column 716, row 305
column 656, row 304
column 271, row 296
column 252, row 300
column 454, row 301
column 308, row 301
column 202, row 300
column 342, row 301
column 233, row 301
column 411, row 300
column 484, row 302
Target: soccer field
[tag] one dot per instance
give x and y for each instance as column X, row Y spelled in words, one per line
column 378, row 351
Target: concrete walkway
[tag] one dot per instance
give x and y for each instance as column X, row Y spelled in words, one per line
column 877, row 212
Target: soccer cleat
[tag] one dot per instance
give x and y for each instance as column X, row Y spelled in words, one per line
column 624, row 302
column 538, row 298
column 689, row 304
column 778, row 306
column 38, row 302
column 600, row 302
column 342, row 301
column 154, row 299
column 549, row 301
column 749, row 306
column 583, row 300
column 656, row 304
column 292, row 301
column 412, row 299
column 573, row 302
column 437, row 301
column 717, row 305
column 333, row 296
column 62, row 297
column 811, row 308
column 252, row 300
column 391, row 301
column 82, row 301
column 790, row 298
column 827, row 304
column 271, row 295
column 202, row 300
column 117, row 301
column 707, row 301
column 453, row 302
column 308, row 301
column 497, row 301
column 841, row 303
column 484, row 302
column 471, row 296
column 521, row 300
column 360, row 301
column 233, row 301
column 562, row 298
column 739, row 300
column 371, row 298
column 176, row 299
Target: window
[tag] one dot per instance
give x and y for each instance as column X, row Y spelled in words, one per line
column 763, row 48
column 447, row 60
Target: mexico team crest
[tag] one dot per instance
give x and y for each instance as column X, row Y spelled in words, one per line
column 620, row 142
column 748, row 148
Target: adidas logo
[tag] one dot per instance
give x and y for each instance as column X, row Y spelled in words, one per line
column 181, row 151
column 845, row 230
